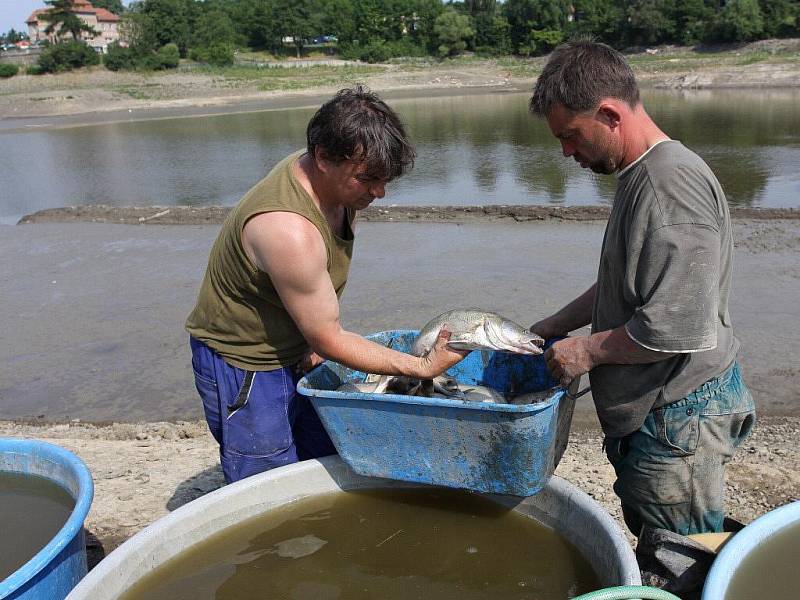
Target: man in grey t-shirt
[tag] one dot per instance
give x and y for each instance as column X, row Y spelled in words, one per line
column 661, row 355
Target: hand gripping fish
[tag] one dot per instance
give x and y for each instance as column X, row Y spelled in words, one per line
column 476, row 329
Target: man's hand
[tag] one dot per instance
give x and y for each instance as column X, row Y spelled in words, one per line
column 569, row 358
column 441, row 357
column 544, row 330
column 310, row 360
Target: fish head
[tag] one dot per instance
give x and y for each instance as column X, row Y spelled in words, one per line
column 508, row 336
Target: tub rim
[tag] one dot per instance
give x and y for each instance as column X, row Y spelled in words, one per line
column 74, row 524
column 743, row 544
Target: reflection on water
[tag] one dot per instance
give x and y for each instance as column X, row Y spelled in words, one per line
column 479, row 149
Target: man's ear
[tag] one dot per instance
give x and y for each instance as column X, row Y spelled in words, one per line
column 321, row 159
column 609, row 115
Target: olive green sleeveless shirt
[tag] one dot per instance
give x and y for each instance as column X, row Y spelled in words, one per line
column 238, row 313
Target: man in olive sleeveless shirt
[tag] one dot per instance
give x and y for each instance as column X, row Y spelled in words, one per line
column 268, row 307
column 661, row 355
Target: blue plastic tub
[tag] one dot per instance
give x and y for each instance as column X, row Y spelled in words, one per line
column 61, row 564
column 485, row 447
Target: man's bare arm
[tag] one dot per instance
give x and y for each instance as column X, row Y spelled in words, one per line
column 574, row 315
column 291, row 251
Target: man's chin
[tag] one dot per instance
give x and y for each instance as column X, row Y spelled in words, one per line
column 602, row 168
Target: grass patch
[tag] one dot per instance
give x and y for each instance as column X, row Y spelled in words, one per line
column 521, row 67
column 134, row 91
column 291, row 78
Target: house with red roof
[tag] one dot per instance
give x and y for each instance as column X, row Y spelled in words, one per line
column 104, row 22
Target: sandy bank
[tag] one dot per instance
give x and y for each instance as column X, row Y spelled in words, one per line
column 96, row 95
column 142, row 471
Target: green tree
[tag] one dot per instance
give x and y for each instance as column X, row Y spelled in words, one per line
column 780, row 17
column 650, row 22
column 338, row 17
column 61, row 20
column 740, row 21
column 693, row 20
column 114, row 6
column 212, row 28
column 525, row 16
column 66, row 56
column 423, row 21
column 213, row 39
column 170, row 20
column 600, row 18
column 256, row 19
column 12, row 37
column 7, row 70
column 454, row 31
column 139, row 31
column 298, row 20
column 493, row 32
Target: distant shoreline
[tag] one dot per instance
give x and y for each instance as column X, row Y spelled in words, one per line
column 212, row 215
column 97, row 96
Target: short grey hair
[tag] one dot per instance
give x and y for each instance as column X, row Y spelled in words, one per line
column 357, row 125
column 578, row 74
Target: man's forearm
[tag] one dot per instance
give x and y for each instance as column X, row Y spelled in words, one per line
column 616, row 347
column 574, row 315
column 358, row 353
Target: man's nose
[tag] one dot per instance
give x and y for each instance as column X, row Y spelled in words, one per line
column 378, row 190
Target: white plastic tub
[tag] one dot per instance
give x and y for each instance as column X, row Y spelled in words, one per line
column 559, row 505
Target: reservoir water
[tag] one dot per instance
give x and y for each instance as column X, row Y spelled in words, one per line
column 472, row 150
column 32, row 510
column 398, row 544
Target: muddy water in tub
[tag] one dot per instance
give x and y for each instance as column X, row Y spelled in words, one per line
column 399, row 544
column 32, row 511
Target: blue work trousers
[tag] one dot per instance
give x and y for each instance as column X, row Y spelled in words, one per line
column 671, row 472
column 257, row 417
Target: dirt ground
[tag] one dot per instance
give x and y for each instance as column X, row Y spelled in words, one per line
column 143, row 471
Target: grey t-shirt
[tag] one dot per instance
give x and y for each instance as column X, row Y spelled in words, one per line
column 665, row 272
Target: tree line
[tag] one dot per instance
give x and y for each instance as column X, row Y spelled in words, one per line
column 380, row 29
column 159, row 32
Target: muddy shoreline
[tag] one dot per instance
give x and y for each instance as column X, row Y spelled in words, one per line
column 211, row 215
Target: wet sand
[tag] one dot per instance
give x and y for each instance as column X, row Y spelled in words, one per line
column 93, row 313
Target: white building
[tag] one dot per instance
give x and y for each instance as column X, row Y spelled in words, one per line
column 104, row 22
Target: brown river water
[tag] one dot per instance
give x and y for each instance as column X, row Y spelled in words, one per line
column 403, row 545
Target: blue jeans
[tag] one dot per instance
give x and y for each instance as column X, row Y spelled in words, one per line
column 671, row 472
column 257, row 418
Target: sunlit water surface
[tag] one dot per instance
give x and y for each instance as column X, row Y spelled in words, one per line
column 472, row 150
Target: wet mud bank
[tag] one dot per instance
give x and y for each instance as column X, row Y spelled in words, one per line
column 210, row 215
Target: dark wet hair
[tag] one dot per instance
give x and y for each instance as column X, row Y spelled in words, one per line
column 581, row 72
column 357, row 125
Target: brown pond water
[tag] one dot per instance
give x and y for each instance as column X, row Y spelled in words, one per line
column 770, row 571
column 399, row 544
column 32, row 510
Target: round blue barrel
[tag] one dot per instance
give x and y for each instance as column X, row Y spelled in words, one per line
column 741, row 545
column 61, row 564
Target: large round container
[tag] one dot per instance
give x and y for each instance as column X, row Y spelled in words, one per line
column 755, row 537
column 56, row 568
column 559, row 505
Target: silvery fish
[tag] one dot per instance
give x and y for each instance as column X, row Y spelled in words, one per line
column 476, row 329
